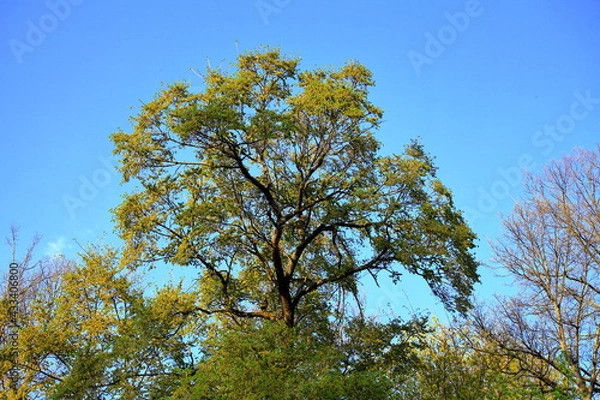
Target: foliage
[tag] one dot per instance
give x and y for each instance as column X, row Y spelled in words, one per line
column 457, row 363
column 268, row 360
column 88, row 331
column 270, row 183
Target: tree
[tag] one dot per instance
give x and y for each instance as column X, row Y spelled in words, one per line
column 87, row 331
column 456, row 363
column 27, row 281
column 552, row 249
column 270, row 183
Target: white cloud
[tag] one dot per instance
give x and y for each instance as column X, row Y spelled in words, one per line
column 57, row 247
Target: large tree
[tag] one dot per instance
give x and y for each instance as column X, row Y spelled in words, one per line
column 551, row 248
column 269, row 181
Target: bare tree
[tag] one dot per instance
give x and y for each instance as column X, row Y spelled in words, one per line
column 551, row 247
column 36, row 276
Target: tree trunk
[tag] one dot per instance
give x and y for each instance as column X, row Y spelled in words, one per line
column 287, row 306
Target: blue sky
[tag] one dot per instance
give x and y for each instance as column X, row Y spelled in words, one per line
column 489, row 86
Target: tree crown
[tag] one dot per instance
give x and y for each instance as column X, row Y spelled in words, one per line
column 270, row 182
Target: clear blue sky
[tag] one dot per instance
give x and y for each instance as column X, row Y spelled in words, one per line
column 489, row 86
